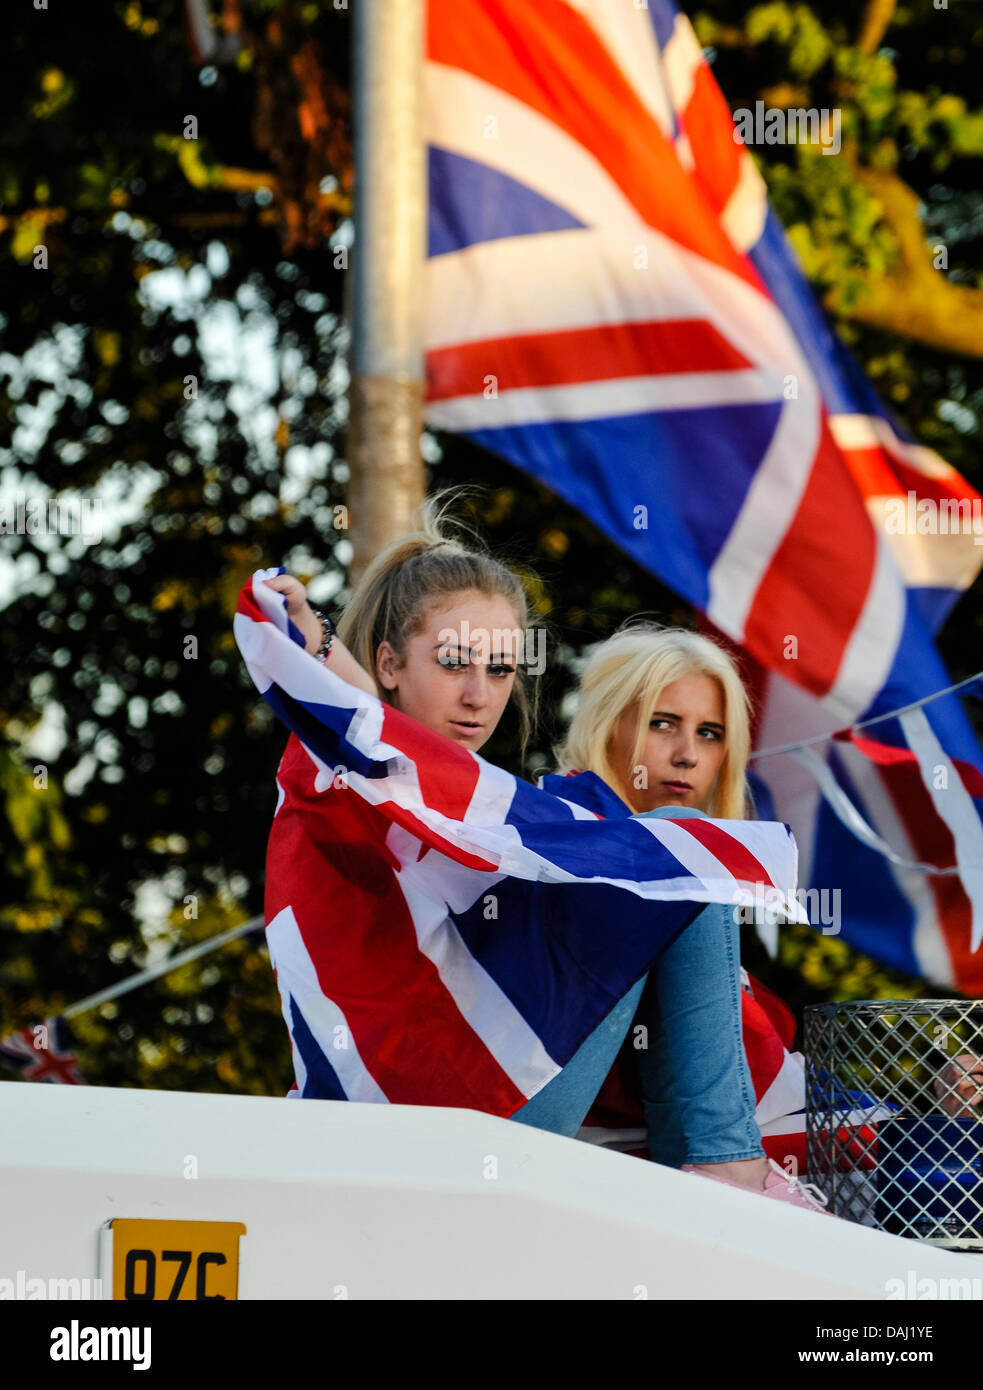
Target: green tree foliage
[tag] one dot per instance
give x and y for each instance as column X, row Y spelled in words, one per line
column 890, row 232
column 178, row 351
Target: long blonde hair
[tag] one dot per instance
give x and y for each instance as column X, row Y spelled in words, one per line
column 392, row 599
column 633, row 667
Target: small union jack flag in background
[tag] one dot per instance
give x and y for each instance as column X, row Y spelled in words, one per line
column 43, row 1052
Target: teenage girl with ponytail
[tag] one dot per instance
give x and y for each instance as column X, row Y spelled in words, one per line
column 392, row 641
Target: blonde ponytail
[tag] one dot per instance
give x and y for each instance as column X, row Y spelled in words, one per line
column 393, row 598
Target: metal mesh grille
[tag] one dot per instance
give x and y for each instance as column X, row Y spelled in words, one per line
column 894, row 1120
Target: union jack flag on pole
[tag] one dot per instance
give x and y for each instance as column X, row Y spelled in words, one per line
column 613, row 308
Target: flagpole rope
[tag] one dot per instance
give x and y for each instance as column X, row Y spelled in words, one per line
column 163, row 967
column 866, row 723
column 848, row 815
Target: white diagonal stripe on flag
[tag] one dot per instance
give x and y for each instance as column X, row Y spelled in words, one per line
column 770, row 505
column 873, row 432
column 297, row 978
column 787, row 1092
column 599, row 400
column 869, row 654
column 928, row 942
column 487, row 1009
column 525, row 146
column 955, row 807
column 945, row 560
column 627, row 34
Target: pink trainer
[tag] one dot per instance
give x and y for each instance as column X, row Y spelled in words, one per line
column 778, row 1185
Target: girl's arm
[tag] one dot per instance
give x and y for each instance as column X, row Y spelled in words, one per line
column 300, row 613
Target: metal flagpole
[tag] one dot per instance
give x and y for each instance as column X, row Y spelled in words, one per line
column 163, row 967
column 385, row 396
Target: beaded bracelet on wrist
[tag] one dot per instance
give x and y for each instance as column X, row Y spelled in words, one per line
column 327, row 633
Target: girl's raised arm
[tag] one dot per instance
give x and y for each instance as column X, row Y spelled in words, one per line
column 302, row 615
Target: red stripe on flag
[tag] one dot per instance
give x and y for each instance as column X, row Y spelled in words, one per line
column 880, row 473
column 932, row 843
column 763, row 1047
column 603, row 352
column 882, row 753
column 432, row 839
column 816, row 585
column 736, row 858
column 709, row 126
column 887, row 754
column 327, row 861
column 547, row 56
column 777, row 1012
column 247, row 603
column 446, row 772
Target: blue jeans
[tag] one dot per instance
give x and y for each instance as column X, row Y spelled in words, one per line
column 696, row 1086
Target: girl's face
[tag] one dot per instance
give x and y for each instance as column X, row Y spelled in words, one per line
column 459, row 671
column 683, row 749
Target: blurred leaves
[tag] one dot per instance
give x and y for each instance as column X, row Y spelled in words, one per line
column 912, row 110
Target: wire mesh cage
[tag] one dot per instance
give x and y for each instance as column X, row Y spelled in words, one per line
column 894, row 1115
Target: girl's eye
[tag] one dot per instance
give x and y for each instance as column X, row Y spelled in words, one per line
column 453, row 661
column 712, row 735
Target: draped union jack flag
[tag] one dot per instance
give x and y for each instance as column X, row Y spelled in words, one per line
column 612, row 307
column 616, row 1119
column 44, row 1052
column 442, row 932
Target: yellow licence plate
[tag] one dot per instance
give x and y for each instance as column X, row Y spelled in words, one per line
column 167, row 1261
